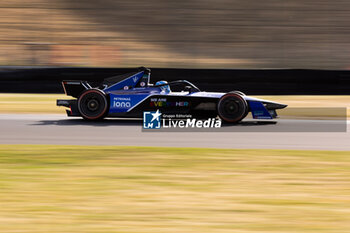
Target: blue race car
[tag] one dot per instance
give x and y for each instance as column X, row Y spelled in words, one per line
column 131, row 94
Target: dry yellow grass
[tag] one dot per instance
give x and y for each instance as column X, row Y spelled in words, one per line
column 30, row 103
column 315, row 106
column 300, row 101
column 123, row 189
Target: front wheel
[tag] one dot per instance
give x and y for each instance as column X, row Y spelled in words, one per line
column 93, row 105
column 232, row 108
column 238, row 92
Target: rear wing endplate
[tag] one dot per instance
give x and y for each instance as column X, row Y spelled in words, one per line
column 75, row 87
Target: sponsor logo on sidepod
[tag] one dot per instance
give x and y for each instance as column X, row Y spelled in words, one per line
column 119, row 102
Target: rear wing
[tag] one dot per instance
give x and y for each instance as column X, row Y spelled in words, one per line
column 140, row 79
column 75, row 88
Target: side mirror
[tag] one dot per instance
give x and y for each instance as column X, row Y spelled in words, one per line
column 188, row 88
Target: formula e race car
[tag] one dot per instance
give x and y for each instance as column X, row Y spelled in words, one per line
column 131, row 94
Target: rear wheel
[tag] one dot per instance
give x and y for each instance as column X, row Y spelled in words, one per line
column 93, row 105
column 232, row 108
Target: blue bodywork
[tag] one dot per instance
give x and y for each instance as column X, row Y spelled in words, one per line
column 129, row 82
column 258, row 110
column 131, row 94
column 124, row 96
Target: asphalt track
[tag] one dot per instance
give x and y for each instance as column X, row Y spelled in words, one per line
column 280, row 134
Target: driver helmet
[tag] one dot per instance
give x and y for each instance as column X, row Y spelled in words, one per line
column 165, row 88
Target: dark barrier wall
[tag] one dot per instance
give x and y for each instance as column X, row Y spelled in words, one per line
column 253, row 82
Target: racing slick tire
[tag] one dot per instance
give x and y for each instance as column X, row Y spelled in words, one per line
column 93, row 104
column 232, row 108
column 241, row 94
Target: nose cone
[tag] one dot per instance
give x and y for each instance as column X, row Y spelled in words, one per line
column 274, row 105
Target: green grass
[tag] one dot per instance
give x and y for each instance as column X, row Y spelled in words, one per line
column 128, row 189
